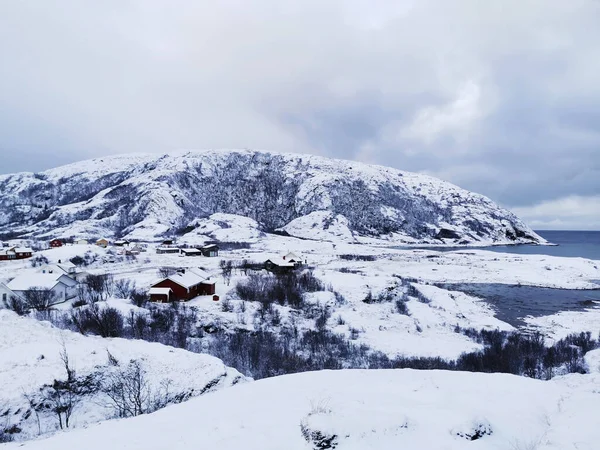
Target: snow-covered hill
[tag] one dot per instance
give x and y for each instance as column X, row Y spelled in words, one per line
column 359, row 409
column 30, row 361
column 145, row 196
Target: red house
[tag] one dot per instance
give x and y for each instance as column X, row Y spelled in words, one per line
column 15, row 253
column 184, row 285
column 54, row 243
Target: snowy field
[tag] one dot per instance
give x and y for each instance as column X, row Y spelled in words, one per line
column 358, row 410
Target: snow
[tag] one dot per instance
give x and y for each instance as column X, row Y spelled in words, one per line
column 377, row 409
column 30, row 358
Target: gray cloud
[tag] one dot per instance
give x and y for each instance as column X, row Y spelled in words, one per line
column 498, row 97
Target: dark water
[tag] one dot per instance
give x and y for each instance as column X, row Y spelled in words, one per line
column 513, row 303
column 582, row 244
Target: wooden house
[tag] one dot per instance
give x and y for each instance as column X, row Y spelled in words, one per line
column 293, row 258
column 185, row 285
column 63, row 286
column 211, row 250
column 161, row 294
column 121, row 243
column 191, row 252
column 162, row 250
column 11, row 253
column 102, row 242
column 55, row 243
column 5, row 295
column 279, row 265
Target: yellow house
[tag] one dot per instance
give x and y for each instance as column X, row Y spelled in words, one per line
column 102, row 243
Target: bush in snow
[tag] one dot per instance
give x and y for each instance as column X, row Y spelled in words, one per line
column 38, row 261
column 348, row 257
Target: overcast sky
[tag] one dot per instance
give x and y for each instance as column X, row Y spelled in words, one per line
column 500, row 97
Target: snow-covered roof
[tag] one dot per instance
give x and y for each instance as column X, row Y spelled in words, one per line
column 160, row 291
column 36, row 280
column 190, row 278
column 280, row 262
column 207, row 247
column 14, row 250
column 292, row 255
column 191, row 250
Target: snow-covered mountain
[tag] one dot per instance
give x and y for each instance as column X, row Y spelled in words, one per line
column 146, row 196
column 365, row 409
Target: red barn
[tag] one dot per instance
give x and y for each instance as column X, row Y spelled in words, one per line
column 54, row 243
column 184, row 285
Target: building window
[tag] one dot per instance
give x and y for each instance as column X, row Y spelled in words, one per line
column 4, row 297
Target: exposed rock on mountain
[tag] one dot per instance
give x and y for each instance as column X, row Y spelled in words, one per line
column 146, row 196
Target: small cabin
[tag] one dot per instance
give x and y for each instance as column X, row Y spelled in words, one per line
column 191, row 252
column 160, row 294
column 186, row 284
column 102, row 243
column 279, row 265
column 11, row 253
column 211, row 250
column 81, row 242
column 55, row 243
column 121, row 243
column 163, row 250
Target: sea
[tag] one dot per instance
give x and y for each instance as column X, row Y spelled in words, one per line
column 573, row 244
column 513, row 303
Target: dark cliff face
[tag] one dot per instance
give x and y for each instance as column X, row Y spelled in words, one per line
column 117, row 195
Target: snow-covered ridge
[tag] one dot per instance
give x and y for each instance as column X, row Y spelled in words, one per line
column 359, row 409
column 30, row 360
column 306, row 196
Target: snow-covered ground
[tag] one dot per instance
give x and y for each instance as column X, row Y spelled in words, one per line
column 358, row 410
column 30, row 358
column 428, row 330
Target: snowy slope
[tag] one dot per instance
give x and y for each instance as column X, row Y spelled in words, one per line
column 30, row 358
column 144, row 196
column 358, row 410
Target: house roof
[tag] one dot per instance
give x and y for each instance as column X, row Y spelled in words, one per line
column 191, row 277
column 292, row 255
column 191, row 250
column 280, row 262
column 14, row 250
column 38, row 280
column 160, row 291
column 209, row 246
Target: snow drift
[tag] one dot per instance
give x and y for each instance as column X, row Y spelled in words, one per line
column 360, row 409
column 30, row 361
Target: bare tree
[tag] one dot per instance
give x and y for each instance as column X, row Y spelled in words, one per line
column 226, row 269
column 124, row 288
column 166, row 272
column 99, row 286
column 39, row 299
column 16, row 304
column 63, row 395
column 131, row 394
column 34, row 408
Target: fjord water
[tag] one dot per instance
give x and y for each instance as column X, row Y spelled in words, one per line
column 582, row 244
column 512, row 303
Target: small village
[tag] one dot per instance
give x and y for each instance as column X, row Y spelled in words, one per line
column 58, row 280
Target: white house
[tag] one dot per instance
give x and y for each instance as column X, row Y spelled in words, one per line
column 63, row 286
column 5, row 295
column 81, row 242
column 66, row 268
